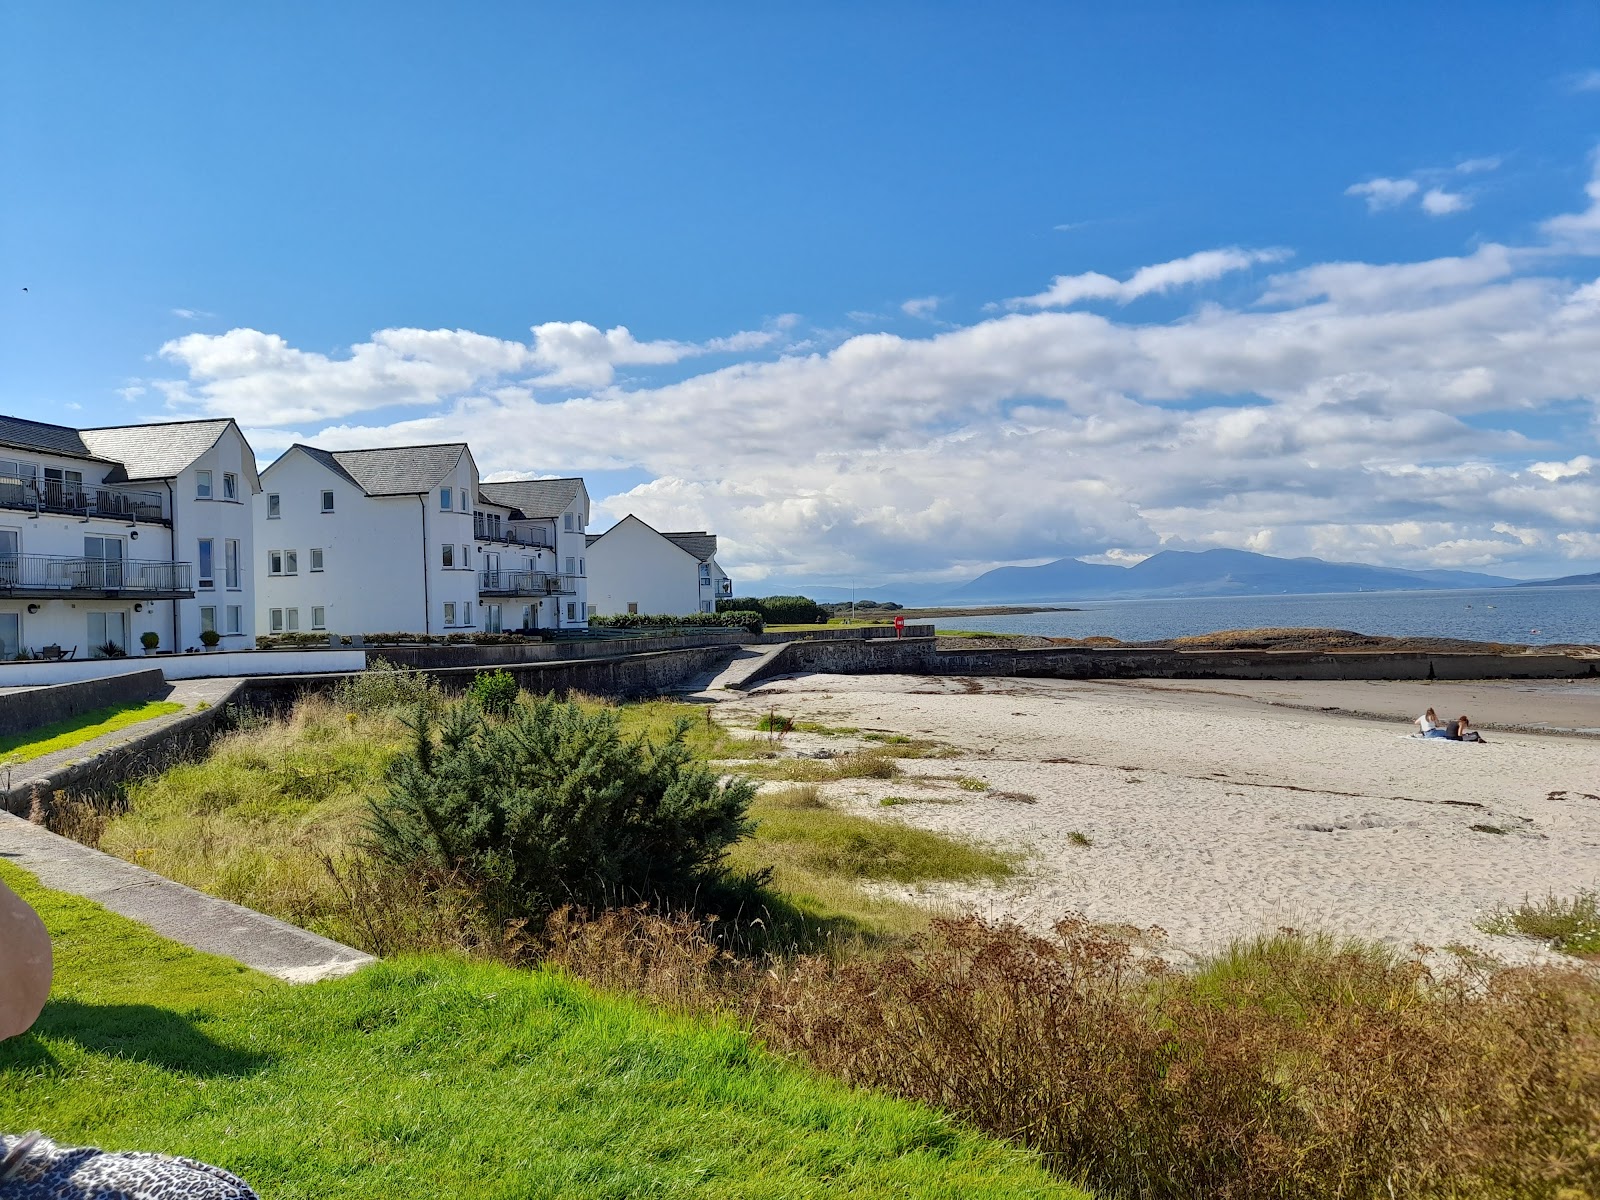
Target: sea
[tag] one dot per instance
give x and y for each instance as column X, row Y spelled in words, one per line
column 1534, row 616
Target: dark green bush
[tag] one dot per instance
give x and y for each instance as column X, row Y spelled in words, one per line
column 494, row 691
column 778, row 610
column 750, row 620
column 553, row 807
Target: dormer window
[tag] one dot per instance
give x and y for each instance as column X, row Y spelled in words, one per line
column 202, row 484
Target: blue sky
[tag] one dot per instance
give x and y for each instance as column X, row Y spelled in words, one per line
column 389, row 223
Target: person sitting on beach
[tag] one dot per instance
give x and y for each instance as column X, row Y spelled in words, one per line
column 32, row 1167
column 1429, row 723
column 1464, row 732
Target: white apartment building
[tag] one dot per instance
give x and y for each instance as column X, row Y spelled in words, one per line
column 406, row 539
column 108, row 534
column 636, row 569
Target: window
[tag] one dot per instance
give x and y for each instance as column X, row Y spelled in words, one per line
column 572, row 565
column 568, row 522
column 13, row 469
column 466, row 558
column 109, row 627
column 207, row 579
column 592, row 609
column 291, row 562
column 274, row 506
column 319, row 617
column 581, row 571
column 327, row 501
column 445, row 498
column 572, row 610
column 291, row 619
column 449, row 612
column 277, row 620
column 633, row 606
column 230, row 563
column 469, row 610
column 208, row 618
column 104, row 570
column 10, row 634
column 447, row 553
column 230, row 486
column 202, row 484
column 316, row 559
column 235, row 618
column 491, row 619
column 705, row 574
column 274, row 562
column 527, row 616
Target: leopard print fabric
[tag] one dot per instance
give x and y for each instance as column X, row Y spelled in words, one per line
column 35, row 1168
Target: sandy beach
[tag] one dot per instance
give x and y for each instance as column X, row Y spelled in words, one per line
column 1216, row 809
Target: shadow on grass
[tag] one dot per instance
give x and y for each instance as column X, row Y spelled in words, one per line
column 137, row 1032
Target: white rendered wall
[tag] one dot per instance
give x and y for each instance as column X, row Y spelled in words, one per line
column 218, row 519
column 372, row 577
column 634, row 564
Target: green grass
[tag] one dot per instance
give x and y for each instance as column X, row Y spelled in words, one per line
column 440, row 1078
column 74, row 731
column 1570, row 925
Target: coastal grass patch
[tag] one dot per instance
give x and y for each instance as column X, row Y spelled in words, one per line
column 1570, row 924
column 1078, row 838
column 862, row 764
column 431, row 1076
column 74, row 731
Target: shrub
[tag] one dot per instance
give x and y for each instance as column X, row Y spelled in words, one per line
column 1569, row 925
column 552, row 807
column 273, row 641
column 209, row 638
column 494, row 691
column 749, row 620
column 779, row 610
column 383, row 685
column 150, row 639
column 108, row 650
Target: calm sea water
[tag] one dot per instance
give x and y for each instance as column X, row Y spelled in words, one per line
column 1530, row 615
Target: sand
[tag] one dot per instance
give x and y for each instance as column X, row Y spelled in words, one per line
column 1215, row 811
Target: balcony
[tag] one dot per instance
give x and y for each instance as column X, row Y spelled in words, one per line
column 79, row 500
column 525, row 583
column 514, row 537
column 49, row 576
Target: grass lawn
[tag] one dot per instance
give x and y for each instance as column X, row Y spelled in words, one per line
column 61, row 735
column 439, row 1078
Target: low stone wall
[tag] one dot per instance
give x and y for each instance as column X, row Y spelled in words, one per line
column 22, row 711
column 823, row 633
column 104, row 775
column 428, row 658
column 921, row 656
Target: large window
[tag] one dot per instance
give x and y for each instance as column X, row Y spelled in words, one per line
column 202, row 484
column 491, row 619
column 10, row 635
column 103, row 565
column 108, row 628
column 230, row 549
column 207, row 579
column 208, row 618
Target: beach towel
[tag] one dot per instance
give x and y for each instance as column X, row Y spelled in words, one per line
column 35, row 1168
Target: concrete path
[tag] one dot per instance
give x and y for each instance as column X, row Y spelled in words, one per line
column 190, row 693
column 174, row 911
column 747, row 660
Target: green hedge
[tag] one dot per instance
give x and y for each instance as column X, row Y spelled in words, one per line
column 779, row 610
column 278, row 641
column 752, row 621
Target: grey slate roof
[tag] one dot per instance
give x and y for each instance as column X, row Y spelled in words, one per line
column 534, row 499
column 698, row 543
column 395, row 471
column 157, row 451
column 590, row 539
column 36, row 435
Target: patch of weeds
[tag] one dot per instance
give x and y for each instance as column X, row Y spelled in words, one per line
column 864, row 764
column 1016, row 797
column 825, row 730
column 773, row 722
column 896, row 801
column 1080, row 839
column 968, row 784
column 1486, row 829
column 1569, row 924
column 888, row 739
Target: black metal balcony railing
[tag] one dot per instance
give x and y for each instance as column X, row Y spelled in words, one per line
column 494, row 582
column 51, row 575
column 53, row 496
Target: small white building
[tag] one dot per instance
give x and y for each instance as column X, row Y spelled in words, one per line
column 636, row 569
column 405, row 539
column 108, row 534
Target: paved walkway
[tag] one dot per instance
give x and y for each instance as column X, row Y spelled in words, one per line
column 190, row 693
column 747, row 660
column 174, row 911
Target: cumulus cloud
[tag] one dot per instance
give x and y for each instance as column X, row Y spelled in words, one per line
column 922, row 307
column 1584, row 81
column 1384, row 193
column 1437, row 202
column 1359, row 411
column 1426, row 186
column 1067, row 290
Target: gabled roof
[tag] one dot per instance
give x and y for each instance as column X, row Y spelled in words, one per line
column 157, row 451
column 533, row 499
column 36, row 435
column 392, row 471
column 698, row 543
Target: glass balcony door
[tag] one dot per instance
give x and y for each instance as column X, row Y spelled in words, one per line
column 102, row 562
column 108, row 627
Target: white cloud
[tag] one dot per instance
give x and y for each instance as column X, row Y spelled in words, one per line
column 1207, row 265
column 1360, row 411
column 923, row 307
column 1474, row 166
column 1579, row 231
column 1384, row 193
column 190, row 314
column 1584, row 81
column 1437, row 202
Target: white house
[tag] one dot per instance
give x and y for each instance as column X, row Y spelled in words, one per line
column 405, row 540
column 636, row 569
column 108, row 534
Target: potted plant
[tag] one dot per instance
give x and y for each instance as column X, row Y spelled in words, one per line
column 150, row 639
column 209, row 638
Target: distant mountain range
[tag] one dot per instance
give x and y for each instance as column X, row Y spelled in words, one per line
column 1173, row 573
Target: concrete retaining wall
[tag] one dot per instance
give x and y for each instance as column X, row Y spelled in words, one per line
column 922, row 657
column 822, row 633
column 490, row 657
column 180, row 739
column 22, row 711
column 218, row 665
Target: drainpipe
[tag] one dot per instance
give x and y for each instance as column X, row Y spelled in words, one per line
column 172, row 555
column 427, row 604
